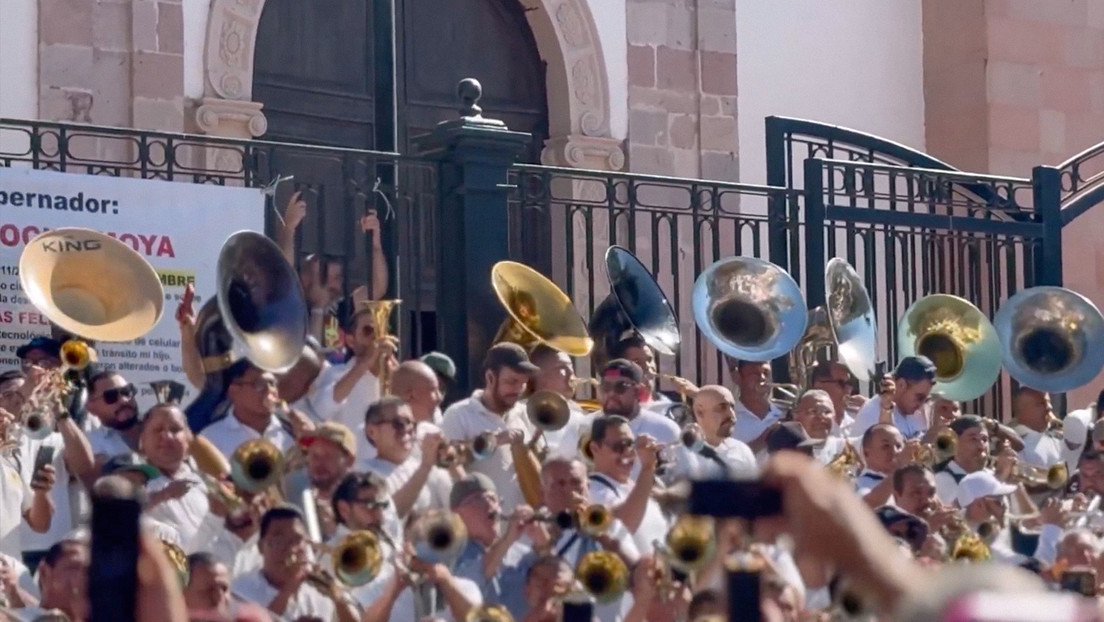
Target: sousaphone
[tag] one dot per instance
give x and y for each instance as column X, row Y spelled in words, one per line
column 1052, row 338
column 259, row 313
column 91, row 284
column 958, row 338
column 750, row 309
column 539, row 312
column 636, row 305
column 845, row 324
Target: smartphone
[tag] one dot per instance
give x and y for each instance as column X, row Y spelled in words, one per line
column 747, row 499
column 44, row 456
column 1079, row 581
column 113, row 573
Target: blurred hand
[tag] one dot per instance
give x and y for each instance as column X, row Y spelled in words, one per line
column 185, row 314
column 295, row 211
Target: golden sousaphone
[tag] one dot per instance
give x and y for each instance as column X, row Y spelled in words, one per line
column 539, row 312
column 91, row 284
column 1052, row 338
column 958, row 338
column 636, row 305
column 845, row 325
column 750, row 309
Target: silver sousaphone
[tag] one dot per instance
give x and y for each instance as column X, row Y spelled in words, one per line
column 750, row 309
column 845, row 325
column 1052, row 338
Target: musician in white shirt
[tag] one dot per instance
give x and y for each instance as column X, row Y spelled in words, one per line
column 111, row 399
column 253, row 398
column 815, row 412
column 908, row 389
column 1033, row 414
column 755, row 413
column 556, row 373
column 722, row 456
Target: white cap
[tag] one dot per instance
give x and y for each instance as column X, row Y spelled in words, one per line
column 1075, row 427
column 981, row 484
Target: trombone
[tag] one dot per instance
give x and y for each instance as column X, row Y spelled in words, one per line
column 1054, row 477
column 256, row 465
column 479, row 448
column 603, row 575
column 944, row 446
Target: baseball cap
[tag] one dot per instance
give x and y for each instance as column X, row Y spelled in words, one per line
column 915, row 368
column 441, row 364
column 623, row 368
column 1075, row 427
column 966, row 422
column 471, row 484
column 334, row 432
column 131, row 462
column 916, row 529
column 510, row 355
column 791, row 435
column 46, row 344
column 981, row 484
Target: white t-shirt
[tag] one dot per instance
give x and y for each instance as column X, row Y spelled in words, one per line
column 1040, row 449
column 107, row 442
column 62, row 521
column 227, row 433
column 15, row 499
column 307, row 601
column 190, row 515
column 737, row 458
column 467, row 419
column 911, row 426
column 654, row 526
column 350, row 411
column 433, row 495
column 749, row 426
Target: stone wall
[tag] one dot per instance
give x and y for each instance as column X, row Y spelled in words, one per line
column 682, row 88
column 112, row 62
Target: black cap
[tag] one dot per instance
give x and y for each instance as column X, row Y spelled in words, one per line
column 917, row 531
column 791, row 435
column 965, row 422
column 46, row 344
column 510, row 355
column 623, row 368
column 915, row 368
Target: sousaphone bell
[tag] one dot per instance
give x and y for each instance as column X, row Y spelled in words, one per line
column 636, row 305
column 845, row 324
column 91, row 284
column 958, row 338
column 750, row 309
column 1052, row 338
column 539, row 312
column 259, row 313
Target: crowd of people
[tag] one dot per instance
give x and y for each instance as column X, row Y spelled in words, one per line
column 898, row 506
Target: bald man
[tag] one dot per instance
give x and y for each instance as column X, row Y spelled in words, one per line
column 416, row 384
column 715, row 412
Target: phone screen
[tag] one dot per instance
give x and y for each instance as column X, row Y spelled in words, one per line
column 44, row 456
column 113, row 574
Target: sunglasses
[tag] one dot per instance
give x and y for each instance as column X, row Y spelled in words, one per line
column 260, row 384
column 401, row 426
column 622, row 445
column 620, row 387
column 374, row 504
column 111, row 396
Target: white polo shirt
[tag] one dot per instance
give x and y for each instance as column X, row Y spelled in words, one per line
column 107, row 442
column 736, row 461
column 467, row 419
column 1040, row 448
column 307, row 600
column 610, row 493
column 433, row 495
column 227, row 433
column 749, row 426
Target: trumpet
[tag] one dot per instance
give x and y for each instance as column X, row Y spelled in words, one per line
column 1054, row 477
column 36, row 419
column 690, row 543
column 439, row 537
column 594, row 520
column 584, row 449
column 603, row 575
column 692, row 437
column 256, row 465
column 489, row 613
column 847, row 464
column 466, row 452
column 943, row 448
column 76, row 355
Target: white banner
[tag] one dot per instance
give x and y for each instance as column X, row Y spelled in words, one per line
column 178, row 227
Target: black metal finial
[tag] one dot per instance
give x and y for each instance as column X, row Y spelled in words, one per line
column 470, row 91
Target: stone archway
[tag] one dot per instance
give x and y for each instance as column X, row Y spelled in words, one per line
column 566, row 35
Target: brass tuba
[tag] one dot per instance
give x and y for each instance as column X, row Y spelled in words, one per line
column 256, row 465
column 91, row 284
column 539, row 312
column 1052, row 338
column 750, row 309
column 636, row 305
column 845, row 325
column 603, row 575
column 958, row 338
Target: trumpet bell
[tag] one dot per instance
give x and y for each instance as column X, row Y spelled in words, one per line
column 37, row 426
column 750, row 309
column 440, row 537
column 548, row 410
column 1052, row 338
column 261, row 301
column 958, row 338
column 595, row 520
column 539, row 312
column 692, row 437
column 483, row 446
column 636, row 304
column 691, row 543
column 603, row 575
column 256, row 466
column 489, row 613
column 76, row 355
column 91, row 284
column 357, row 559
